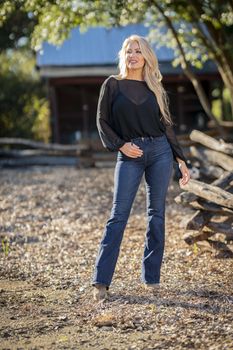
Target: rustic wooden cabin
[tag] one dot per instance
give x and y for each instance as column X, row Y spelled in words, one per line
column 75, row 71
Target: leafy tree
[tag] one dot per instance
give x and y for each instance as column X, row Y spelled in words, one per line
column 197, row 30
column 16, row 29
column 24, row 110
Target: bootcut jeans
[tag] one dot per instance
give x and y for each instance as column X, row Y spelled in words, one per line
column 156, row 164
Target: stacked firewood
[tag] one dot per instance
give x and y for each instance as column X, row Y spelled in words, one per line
column 211, row 198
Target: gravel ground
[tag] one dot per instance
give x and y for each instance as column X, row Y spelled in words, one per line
column 51, row 223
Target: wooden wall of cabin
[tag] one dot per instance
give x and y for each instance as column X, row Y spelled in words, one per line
column 74, row 104
column 73, row 110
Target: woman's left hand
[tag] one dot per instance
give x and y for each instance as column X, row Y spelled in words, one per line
column 185, row 173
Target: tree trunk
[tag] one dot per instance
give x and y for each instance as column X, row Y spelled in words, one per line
column 188, row 71
column 216, row 46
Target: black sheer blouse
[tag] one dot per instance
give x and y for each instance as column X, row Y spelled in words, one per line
column 128, row 108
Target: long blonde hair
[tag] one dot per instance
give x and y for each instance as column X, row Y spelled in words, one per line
column 151, row 73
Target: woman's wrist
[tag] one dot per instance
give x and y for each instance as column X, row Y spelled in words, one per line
column 180, row 162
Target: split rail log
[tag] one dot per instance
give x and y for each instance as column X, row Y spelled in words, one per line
column 196, row 202
column 219, row 246
column 42, row 145
column 191, row 237
column 44, row 153
column 210, row 229
column 209, row 192
column 211, row 142
column 15, row 153
column 199, row 226
column 211, row 171
column 225, row 228
column 213, row 202
column 214, row 157
column 201, row 204
column 201, row 217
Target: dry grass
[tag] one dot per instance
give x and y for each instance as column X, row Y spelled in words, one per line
column 52, row 219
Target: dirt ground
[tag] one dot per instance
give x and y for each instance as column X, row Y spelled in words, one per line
column 51, row 222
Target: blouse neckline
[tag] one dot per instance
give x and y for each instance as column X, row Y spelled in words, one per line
column 141, row 81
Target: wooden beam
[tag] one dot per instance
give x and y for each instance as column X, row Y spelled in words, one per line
column 214, row 157
column 211, row 142
column 211, row 171
column 41, row 145
column 201, row 204
column 225, row 228
column 198, row 220
column 209, row 192
column 55, row 113
column 221, row 182
column 192, row 236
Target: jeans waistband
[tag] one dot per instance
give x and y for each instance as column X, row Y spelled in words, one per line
column 147, row 138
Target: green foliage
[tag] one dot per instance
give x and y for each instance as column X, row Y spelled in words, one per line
column 205, row 29
column 5, row 245
column 221, row 103
column 200, row 30
column 38, row 110
column 217, row 109
column 227, row 104
column 16, row 26
column 200, row 25
column 24, row 111
column 195, row 248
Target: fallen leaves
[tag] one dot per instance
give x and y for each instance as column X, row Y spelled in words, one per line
column 53, row 220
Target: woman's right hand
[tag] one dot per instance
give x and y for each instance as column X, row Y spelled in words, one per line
column 131, row 150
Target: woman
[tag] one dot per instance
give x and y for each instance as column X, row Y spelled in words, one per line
column 133, row 119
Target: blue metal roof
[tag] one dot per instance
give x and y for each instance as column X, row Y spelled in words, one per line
column 96, row 46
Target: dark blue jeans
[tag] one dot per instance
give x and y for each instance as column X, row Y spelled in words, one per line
column 157, row 164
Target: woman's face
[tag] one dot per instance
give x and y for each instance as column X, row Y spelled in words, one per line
column 134, row 57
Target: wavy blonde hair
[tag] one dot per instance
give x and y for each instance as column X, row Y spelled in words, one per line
column 151, row 73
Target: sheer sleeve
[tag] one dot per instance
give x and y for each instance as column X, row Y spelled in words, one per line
column 171, row 136
column 110, row 139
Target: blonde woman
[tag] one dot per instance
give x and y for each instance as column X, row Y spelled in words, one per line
column 133, row 119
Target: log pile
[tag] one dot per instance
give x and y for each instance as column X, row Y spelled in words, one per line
column 211, row 196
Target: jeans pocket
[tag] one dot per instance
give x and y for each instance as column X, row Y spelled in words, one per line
column 122, row 156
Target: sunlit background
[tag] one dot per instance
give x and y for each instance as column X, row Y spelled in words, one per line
column 55, row 55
